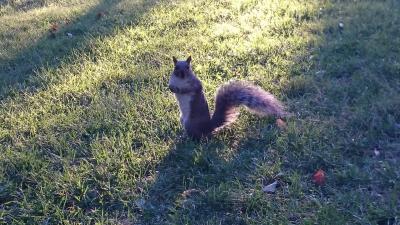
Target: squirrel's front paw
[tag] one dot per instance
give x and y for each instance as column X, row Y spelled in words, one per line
column 173, row 89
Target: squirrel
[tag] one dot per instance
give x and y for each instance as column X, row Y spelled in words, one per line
column 195, row 114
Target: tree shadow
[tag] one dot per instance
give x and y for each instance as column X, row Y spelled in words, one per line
column 325, row 88
column 191, row 171
column 63, row 40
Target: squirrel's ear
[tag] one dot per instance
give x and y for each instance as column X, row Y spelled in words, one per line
column 174, row 59
column 189, row 59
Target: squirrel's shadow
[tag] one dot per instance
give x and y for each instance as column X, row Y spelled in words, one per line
column 192, row 167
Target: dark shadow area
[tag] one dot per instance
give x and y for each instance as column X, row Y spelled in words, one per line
column 194, row 178
column 63, row 40
column 342, row 78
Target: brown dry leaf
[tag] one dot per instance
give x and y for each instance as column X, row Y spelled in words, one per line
column 281, row 124
column 319, row 177
column 54, row 27
column 190, row 192
column 101, row 14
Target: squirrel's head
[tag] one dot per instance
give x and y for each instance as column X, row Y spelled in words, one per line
column 182, row 68
column 182, row 75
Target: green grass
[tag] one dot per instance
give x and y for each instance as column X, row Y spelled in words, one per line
column 90, row 134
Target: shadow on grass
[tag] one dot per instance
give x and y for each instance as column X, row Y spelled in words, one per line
column 70, row 36
column 194, row 180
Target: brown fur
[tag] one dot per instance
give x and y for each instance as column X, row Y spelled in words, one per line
column 195, row 115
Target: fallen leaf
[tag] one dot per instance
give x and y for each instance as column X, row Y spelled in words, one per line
column 270, row 188
column 101, row 14
column 53, row 30
column 319, row 177
column 140, row 203
column 280, row 174
column 376, row 152
column 190, row 192
column 281, row 124
column 54, row 27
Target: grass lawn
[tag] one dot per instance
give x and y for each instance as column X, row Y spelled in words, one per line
column 90, row 134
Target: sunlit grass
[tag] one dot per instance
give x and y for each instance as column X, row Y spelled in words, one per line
column 96, row 137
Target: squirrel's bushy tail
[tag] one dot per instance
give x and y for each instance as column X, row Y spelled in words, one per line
column 237, row 93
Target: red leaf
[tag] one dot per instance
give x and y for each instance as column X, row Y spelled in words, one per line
column 319, row 177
